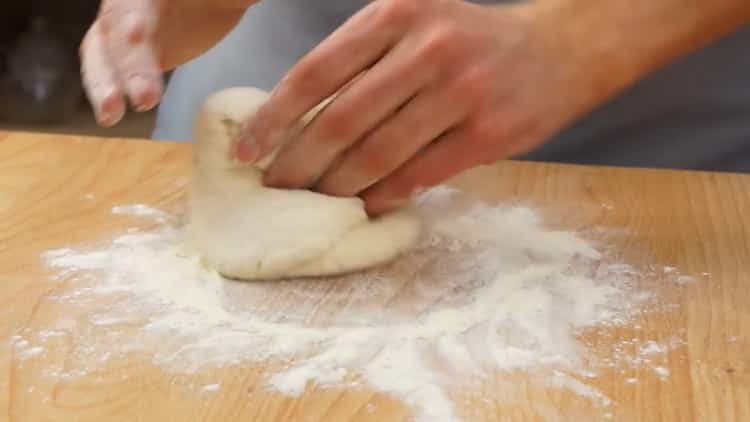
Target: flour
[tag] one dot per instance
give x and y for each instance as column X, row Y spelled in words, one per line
column 141, row 210
column 211, row 388
column 652, row 348
column 488, row 289
column 662, row 371
column 561, row 379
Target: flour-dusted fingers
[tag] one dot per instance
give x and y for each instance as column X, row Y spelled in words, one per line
column 357, row 110
column 353, row 48
column 423, row 120
column 100, row 79
column 128, row 28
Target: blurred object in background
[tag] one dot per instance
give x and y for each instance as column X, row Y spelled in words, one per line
column 40, row 87
column 39, row 68
column 42, row 82
column 14, row 17
column 68, row 20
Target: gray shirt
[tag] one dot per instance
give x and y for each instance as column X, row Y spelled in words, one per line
column 693, row 114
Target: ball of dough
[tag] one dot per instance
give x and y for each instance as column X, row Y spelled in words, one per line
column 245, row 230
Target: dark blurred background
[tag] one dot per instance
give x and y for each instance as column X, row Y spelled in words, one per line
column 40, row 87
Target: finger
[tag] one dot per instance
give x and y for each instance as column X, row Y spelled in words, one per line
column 424, row 119
column 349, row 51
column 449, row 155
column 100, row 80
column 356, row 111
column 128, row 28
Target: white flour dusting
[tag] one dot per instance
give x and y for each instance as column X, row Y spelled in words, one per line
column 488, row 289
column 140, row 210
column 662, row 371
column 211, row 388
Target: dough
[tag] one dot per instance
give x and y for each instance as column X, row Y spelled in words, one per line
column 247, row 231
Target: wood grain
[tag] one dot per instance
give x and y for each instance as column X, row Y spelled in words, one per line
column 59, row 190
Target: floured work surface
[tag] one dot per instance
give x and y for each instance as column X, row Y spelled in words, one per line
column 539, row 292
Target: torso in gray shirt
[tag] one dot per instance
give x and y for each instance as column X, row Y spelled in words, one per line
column 693, row 114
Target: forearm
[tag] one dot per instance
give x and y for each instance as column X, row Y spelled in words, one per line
column 612, row 44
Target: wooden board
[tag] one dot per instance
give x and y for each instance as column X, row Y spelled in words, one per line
column 59, row 190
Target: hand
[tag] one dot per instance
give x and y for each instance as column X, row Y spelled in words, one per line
column 133, row 41
column 447, row 85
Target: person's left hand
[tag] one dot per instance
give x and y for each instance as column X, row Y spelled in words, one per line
column 447, row 85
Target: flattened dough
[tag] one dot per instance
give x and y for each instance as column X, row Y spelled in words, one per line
column 247, row 231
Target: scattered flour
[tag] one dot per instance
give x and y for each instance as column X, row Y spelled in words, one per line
column 211, row 388
column 140, row 210
column 489, row 289
column 662, row 371
column 31, row 352
column 652, row 348
column 685, row 279
column 561, row 379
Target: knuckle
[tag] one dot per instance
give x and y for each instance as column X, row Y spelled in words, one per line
column 375, row 163
column 128, row 23
column 305, row 78
column 83, row 47
column 396, row 133
column 441, row 41
column 475, row 80
column 475, row 84
column 333, row 128
column 394, row 12
column 384, row 152
column 489, row 130
column 335, row 183
column 134, row 25
column 357, row 172
column 280, row 176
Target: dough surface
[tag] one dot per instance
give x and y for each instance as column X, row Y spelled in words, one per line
column 247, row 231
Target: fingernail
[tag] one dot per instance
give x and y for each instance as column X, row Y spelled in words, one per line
column 110, row 112
column 109, row 100
column 246, row 150
column 105, row 120
column 134, row 27
column 108, row 119
column 146, row 102
column 144, row 92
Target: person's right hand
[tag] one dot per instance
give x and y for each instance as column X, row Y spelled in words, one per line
column 132, row 42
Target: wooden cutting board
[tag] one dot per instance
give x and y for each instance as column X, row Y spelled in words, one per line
column 60, row 190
